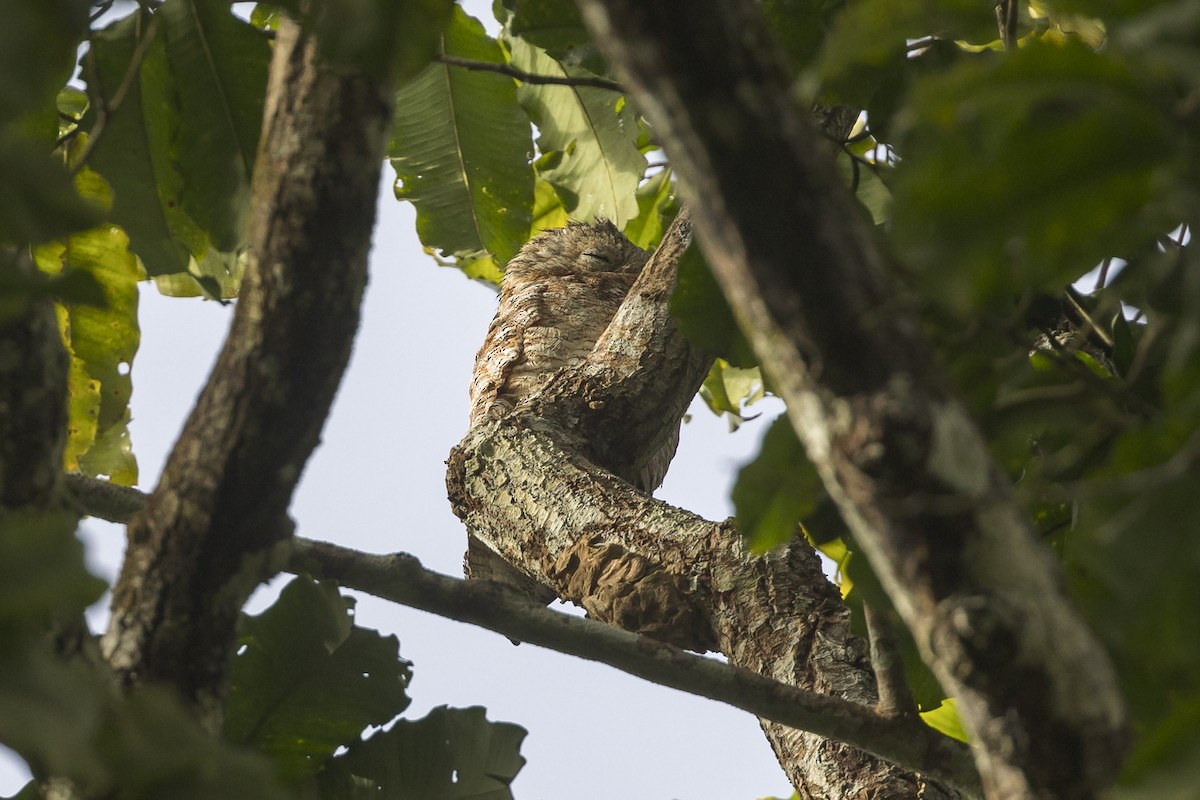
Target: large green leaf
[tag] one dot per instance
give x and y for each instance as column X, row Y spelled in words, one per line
column 461, row 147
column 134, row 151
column 382, row 37
column 451, row 754
column 307, row 680
column 42, row 574
column 218, row 64
column 593, row 131
column 704, row 315
column 101, row 340
column 1025, row 171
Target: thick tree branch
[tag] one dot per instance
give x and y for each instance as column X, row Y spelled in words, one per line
column 401, row 579
column 210, row 531
column 898, row 453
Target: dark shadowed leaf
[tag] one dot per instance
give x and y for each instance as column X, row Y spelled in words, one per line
column 1025, row 171
column 219, row 67
column 777, row 490
column 703, row 314
column 451, row 754
column 307, row 680
column 38, row 201
column 135, row 152
column 38, row 43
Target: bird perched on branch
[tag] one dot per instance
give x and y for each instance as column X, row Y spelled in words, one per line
column 558, row 295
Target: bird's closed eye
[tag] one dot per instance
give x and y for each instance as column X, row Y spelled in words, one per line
column 592, row 255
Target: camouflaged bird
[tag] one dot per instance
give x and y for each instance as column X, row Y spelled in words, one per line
column 558, row 295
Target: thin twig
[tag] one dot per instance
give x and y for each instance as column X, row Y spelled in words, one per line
column 527, row 77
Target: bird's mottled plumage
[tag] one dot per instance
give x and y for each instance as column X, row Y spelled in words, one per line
column 558, row 296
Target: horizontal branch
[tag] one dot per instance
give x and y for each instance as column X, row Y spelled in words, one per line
column 401, row 579
column 529, row 77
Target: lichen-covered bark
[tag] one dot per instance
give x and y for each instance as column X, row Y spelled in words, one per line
column 898, row 453
column 211, row 530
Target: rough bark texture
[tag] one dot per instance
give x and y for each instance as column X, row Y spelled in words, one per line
column 212, row 527
column 651, row 568
column 898, row 453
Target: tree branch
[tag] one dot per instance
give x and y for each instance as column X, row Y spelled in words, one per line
column 211, row 531
column 528, row 77
column 401, row 579
column 910, row 472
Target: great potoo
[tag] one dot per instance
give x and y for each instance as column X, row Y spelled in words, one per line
column 558, row 295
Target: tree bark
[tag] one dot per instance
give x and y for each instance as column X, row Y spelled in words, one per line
column 213, row 528
column 897, row 451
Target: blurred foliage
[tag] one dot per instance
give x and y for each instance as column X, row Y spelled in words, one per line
column 997, row 178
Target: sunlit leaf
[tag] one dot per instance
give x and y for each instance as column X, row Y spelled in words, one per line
column 461, row 148
column 596, row 132
column 945, row 719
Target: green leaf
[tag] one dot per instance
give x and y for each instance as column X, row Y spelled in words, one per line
column 135, row 151
column 101, row 341
column 654, row 197
column 218, row 65
column 155, row 749
column 864, row 181
column 461, row 147
column 307, row 680
column 945, row 719
column 595, row 130
column 703, row 314
column 777, row 490
column 451, row 754
column 728, row 390
column 1025, row 171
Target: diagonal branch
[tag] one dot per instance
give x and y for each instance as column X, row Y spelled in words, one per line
column 910, row 472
